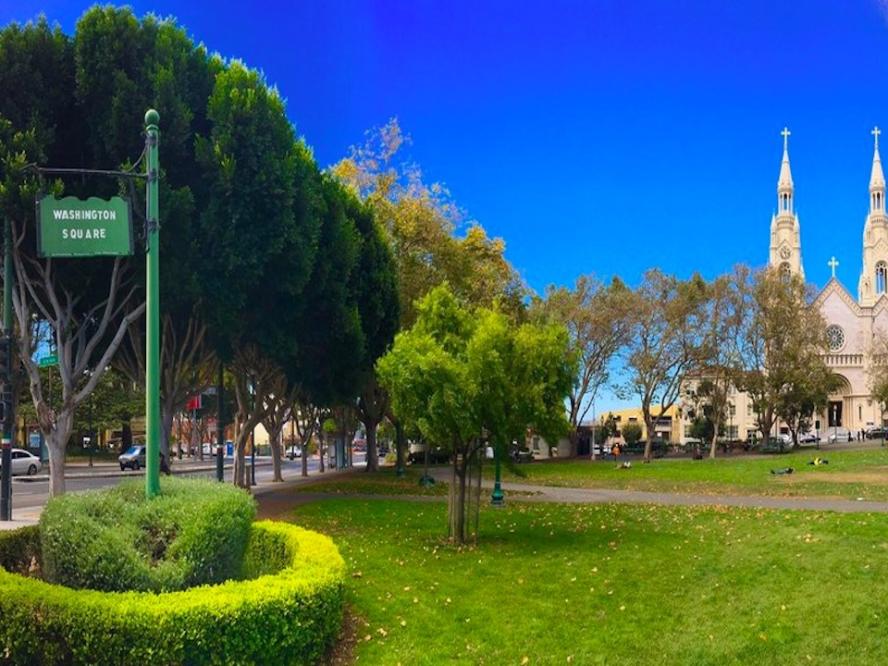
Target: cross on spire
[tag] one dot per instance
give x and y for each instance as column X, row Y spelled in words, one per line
column 876, row 132
column 832, row 263
column 785, row 134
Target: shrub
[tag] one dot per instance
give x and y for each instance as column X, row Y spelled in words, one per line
column 289, row 617
column 193, row 533
column 20, row 550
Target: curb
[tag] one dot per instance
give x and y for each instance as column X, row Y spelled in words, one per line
column 37, row 478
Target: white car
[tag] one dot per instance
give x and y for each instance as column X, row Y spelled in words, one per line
column 24, row 463
column 808, row 438
column 840, row 435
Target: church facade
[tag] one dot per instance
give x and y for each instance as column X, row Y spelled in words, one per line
column 852, row 322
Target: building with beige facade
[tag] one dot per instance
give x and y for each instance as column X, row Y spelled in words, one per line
column 852, row 322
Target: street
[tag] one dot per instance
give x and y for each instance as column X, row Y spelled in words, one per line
column 29, row 495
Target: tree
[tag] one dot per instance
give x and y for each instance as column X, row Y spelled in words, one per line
column 665, row 342
column 83, row 303
column 375, row 290
column 597, row 319
column 458, row 373
column 781, row 348
column 255, row 170
column 877, row 373
column 420, row 222
column 632, row 433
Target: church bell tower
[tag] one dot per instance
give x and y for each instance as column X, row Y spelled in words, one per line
column 874, row 277
column 786, row 244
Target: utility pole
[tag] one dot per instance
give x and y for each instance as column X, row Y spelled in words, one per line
column 152, row 310
column 6, row 351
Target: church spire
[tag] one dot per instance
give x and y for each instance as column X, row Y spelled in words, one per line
column 877, row 178
column 784, row 182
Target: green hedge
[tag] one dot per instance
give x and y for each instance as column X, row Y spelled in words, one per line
column 289, row 617
column 193, row 533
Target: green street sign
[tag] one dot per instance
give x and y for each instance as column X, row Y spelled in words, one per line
column 46, row 361
column 72, row 227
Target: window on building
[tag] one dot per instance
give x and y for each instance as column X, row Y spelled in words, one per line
column 881, row 277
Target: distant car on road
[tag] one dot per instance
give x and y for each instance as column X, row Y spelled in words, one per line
column 840, row 435
column 24, row 462
column 808, row 438
column 133, row 458
column 877, row 433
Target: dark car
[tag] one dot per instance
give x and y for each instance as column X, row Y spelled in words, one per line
column 520, row 455
column 877, row 433
column 133, row 458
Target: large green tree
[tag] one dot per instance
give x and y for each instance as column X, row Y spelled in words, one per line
column 459, row 372
column 430, row 241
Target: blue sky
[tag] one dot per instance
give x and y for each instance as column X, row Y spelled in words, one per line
column 603, row 137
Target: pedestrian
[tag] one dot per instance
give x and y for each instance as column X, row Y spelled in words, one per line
column 615, row 449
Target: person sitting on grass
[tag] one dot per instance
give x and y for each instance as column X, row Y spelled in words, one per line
column 818, row 461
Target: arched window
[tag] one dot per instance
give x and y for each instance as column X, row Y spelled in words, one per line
column 881, row 277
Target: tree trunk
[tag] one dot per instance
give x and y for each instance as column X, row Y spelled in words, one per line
column 56, row 442
column 304, row 448
column 400, row 446
column 457, row 504
column 166, row 428
column 649, row 426
column 274, row 440
column 574, row 438
column 714, row 443
column 372, row 453
column 322, row 449
column 126, row 436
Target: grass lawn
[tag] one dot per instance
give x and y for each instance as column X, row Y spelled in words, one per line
column 850, row 474
column 615, row 584
column 383, row 482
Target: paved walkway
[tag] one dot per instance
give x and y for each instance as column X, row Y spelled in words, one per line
column 607, row 495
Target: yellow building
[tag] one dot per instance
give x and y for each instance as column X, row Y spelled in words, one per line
column 667, row 426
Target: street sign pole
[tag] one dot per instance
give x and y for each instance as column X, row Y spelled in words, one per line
column 6, row 396
column 152, row 312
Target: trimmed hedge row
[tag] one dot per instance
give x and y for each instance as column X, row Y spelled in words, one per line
column 287, row 617
column 115, row 540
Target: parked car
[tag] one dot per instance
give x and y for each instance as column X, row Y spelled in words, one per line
column 808, row 438
column 840, row 435
column 24, row 462
column 520, row 454
column 294, row 452
column 778, row 444
column 437, row 455
column 133, row 458
column 877, row 433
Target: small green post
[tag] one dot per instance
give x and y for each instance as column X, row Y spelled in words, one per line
column 152, row 311
column 497, row 497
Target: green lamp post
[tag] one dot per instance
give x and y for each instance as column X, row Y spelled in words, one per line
column 497, row 497
column 152, row 310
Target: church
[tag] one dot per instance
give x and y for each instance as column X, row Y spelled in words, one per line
column 851, row 322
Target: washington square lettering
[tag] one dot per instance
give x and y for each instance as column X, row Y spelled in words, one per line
column 75, row 214
column 83, row 234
